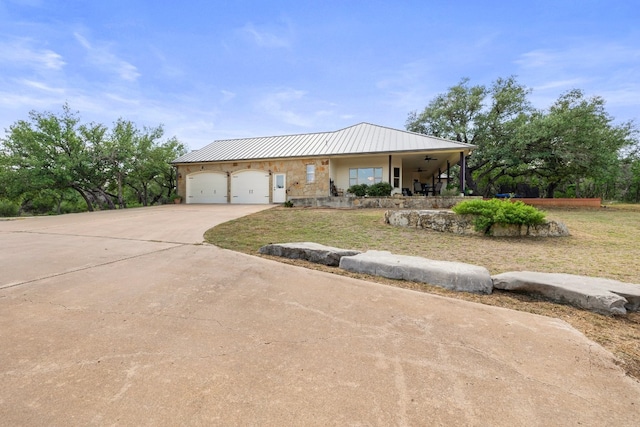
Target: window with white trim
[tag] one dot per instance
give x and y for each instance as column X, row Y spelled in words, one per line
column 367, row 176
column 311, row 174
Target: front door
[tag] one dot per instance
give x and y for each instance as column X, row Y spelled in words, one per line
column 279, row 188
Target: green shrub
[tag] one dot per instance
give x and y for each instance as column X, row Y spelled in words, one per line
column 288, row 204
column 8, row 208
column 496, row 211
column 72, row 206
column 359, row 190
column 381, row 189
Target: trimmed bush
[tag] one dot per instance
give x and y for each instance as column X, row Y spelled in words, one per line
column 359, row 190
column 496, row 211
column 381, row 189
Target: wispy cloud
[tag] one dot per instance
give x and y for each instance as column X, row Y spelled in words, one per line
column 227, row 96
column 278, row 104
column 598, row 68
column 102, row 57
column 22, row 53
column 562, row 84
column 40, row 86
column 580, row 56
column 268, row 38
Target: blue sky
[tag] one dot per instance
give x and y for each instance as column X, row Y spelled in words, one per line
column 211, row 70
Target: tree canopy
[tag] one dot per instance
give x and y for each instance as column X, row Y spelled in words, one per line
column 573, row 147
column 51, row 158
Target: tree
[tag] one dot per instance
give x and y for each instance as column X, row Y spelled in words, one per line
column 573, row 144
column 152, row 177
column 47, row 152
column 115, row 156
column 50, row 155
column 466, row 115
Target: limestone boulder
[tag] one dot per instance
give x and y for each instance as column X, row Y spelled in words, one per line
column 455, row 276
column 591, row 293
column 309, row 251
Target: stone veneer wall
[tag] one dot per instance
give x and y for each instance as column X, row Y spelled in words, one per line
column 397, row 202
column 295, row 170
column 450, row 222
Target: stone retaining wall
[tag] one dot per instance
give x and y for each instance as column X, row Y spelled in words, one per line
column 450, row 222
column 396, row 202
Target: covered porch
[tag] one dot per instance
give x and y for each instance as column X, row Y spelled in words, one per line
column 424, row 173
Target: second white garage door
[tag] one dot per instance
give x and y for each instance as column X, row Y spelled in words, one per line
column 207, row 187
column 250, row 187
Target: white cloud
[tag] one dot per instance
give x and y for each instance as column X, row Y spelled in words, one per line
column 597, row 68
column 581, row 56
column 267, row 38
column 561, row 84
column 278, row 104
column 226, row 96
column 21, row 53
column 41, row 86
column 102, row 57
column 121, row 99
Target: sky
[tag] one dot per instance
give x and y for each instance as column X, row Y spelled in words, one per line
column 211, row 70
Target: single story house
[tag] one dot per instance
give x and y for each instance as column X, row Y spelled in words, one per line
column 279, row 168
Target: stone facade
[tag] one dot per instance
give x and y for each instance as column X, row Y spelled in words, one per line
column 395, row 202
column 295, row 170
column 450, row 222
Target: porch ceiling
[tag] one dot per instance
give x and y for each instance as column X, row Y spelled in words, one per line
column 417, row 162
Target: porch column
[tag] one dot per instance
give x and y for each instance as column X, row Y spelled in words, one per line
column 463, row 171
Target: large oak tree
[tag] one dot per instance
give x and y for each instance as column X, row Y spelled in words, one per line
column 55, row 153
column 573, row 142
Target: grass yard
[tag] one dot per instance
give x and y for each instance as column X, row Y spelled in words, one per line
column 603, row 243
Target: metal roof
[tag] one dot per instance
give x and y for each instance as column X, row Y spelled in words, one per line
column 363, row 138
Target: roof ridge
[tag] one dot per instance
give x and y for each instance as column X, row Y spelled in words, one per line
column 424, row 135
column 271, row 136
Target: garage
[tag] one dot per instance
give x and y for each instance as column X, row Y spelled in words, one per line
column 250, row 187
column 207, row 187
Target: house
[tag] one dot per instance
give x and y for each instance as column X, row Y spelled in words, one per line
column 280, row 168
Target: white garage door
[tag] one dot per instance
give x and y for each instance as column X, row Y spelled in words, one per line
column 207, row 187
column 251, row 187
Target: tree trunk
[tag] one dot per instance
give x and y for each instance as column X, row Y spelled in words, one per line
column 84, row 196
column 120, row 197
column 470, row 183
column 551, row 189
column 106, row 198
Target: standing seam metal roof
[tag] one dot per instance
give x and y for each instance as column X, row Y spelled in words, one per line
column 362, row 138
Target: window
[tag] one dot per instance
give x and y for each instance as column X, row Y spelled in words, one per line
column 365, row 176
column 311, row 173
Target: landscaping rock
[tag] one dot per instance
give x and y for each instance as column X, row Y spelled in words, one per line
column 313, row 252
column 455, row 276
column 591, row 293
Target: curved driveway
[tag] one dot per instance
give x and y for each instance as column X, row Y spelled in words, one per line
column 126, row 318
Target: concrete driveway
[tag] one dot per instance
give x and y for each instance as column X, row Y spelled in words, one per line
column 125, row 318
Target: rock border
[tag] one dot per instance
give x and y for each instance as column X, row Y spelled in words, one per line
column 308, row 251
column 597, row 294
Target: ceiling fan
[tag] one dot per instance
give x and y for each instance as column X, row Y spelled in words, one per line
column 429, row 158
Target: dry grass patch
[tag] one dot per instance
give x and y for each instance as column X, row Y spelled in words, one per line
column 603, row 243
